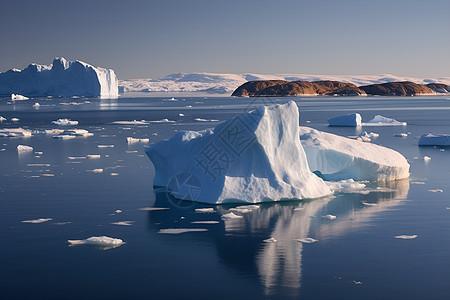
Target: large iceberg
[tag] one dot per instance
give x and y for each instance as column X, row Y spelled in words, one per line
column 336, row 158
column 434, row 140
column 253, row 157
column 351, row 120
column 62, row 78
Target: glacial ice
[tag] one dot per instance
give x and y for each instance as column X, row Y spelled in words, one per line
column 62, row 78
column 336, row 158
column 351, row 120
column 65, row 122
column 252, row 158
column 434, row 140
column 379, row 120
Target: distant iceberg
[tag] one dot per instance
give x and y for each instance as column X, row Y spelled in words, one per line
column 335, row 157
column 252, row 158
column 62, row 78
column 379, row 120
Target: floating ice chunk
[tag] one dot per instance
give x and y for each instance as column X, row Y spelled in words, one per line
column 383, row 121
column 134, row 122
column 401, row 134
column 37, row 221
column 93, row 156
column 436, row 191
column 65, row 122
column 307, row 240
column 181, row 115
column 244, row 209
column 434, row 140
column 270, row 240
column 132, row 140
column 36, row 105
column 23, row 148
column 406, row 237
column 162, row 121
column 181, row 230
column 260, row 167
column 76, row 157
column 204, row 210
column 123, row 223
column 96, row 171
column 15, row 119
column 205, row 120
column 369, row 204
column 104, row 242
column 335, row 158
column 114, row 174
column 53, row 131
column 205, row 222
column 329, row 217
column 48, row 175
column 18, row 97
column 345, row 185
column 153, row 208
column 367, row 137
column 78, row 132
column 351, row 120
column 15, row 132
column 2, row 119
column 64, row 137
column 105, row 146
column 426, row 158
column 230, row 216
column 118, row 211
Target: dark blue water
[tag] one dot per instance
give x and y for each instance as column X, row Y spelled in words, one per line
column 356, row 257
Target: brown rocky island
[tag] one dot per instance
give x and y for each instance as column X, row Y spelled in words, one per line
column 283, row 88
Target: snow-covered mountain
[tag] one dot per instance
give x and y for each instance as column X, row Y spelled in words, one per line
column 62, row 78
column 227, row 83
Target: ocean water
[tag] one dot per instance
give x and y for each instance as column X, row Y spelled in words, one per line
column 356, row 255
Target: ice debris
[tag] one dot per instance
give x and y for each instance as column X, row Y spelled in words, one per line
column 132, row 140
column 329, row 217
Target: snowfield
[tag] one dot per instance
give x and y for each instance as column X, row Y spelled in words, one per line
column 227, row 83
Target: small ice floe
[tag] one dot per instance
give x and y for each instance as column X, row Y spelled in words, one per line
column 123, row 223
column 154, row 133
column 18, row 97
column 383, row 121
column 181, row 230
column 93, row 156
column 369, row 204
column 426, row 158
column 171, row 99
column 100, row 242
column 329, row 217
column 436, row 191
column 76, row 157
column 205, row 120
column 36, row 105
column 406, row 237
column 48, row 175
column 367, row 137
column 401, row 134
column 38, row 165
column 53, row 131
column 65, row 122
column 105, row 146
column 37, row 221
column 2, row 119
column 15, row 119
column 231, row 216
column 118, row 211
column 308, row 121
column 270, row 240
column 72, row 133
column 131, row 151
column 204, row 210
column 307, row 240
column 434, row 140
column 346, row 185
column 134, row 122
column 357, row 282
column 162, row 121
column 132, row 140
column 205, row 222
column 114, row 174
column 64, row 137
column 96, row 171
column 153, row 208
column 15, row 132
column 181, row 115
column 23, row 148
column 244, row 208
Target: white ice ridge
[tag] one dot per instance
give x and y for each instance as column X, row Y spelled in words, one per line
column 227, row 83
column 62, row 78
column 383, row 121
column 251, row 158
column 434, row 140
column 337, row 158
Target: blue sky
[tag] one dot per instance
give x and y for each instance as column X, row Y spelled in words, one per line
column 151, row 39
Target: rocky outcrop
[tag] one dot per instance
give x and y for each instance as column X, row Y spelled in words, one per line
column 405, row 88
column 282, row 88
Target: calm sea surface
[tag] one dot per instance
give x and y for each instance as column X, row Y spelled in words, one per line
column 356, row 256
